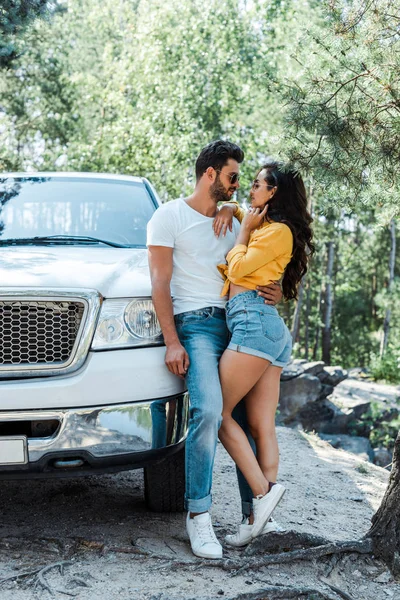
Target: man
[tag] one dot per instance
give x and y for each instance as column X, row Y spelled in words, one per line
column 186, row 286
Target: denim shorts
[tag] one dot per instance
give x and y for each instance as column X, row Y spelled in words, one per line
column 256, row 328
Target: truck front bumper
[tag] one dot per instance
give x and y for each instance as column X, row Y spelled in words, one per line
column 101, row 438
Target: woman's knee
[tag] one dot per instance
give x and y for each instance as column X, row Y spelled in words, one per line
column 227, row 417
column 259, row 430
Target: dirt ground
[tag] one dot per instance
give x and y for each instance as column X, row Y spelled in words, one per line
column 114, row 548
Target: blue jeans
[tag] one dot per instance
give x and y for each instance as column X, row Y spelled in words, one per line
column 257, row 329
column 205, row 336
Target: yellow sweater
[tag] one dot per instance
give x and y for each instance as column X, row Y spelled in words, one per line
column 263, row 260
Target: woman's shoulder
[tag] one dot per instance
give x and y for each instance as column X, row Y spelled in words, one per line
column 275, row 233
column 276, row 227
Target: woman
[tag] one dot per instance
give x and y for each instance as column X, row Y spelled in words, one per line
column 275, row 241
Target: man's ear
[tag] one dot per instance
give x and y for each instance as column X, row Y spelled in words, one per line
column 210, row 173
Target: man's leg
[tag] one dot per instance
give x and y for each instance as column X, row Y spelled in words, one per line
column 204, row 338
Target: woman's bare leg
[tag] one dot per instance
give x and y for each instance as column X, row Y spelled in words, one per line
column 261, row 403
column 239, row 373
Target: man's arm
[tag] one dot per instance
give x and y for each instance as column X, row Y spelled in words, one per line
column 160, row 262
column 271, row 293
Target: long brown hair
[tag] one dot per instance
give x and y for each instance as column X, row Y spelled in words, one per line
column 289, row 206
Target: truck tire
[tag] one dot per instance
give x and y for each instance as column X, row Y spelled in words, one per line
column 164, row 484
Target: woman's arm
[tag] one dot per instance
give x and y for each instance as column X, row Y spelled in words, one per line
column 244, row 259
column 223, row 219
column 250, row 221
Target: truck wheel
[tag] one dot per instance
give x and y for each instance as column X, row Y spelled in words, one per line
column 164, row 484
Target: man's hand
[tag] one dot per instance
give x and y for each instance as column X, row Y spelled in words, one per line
column 177, row 360
column 272, row 292
column 223, row 220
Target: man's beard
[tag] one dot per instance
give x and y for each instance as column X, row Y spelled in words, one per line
column 218, row 192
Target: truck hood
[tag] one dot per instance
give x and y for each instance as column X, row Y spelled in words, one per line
column 114, row 272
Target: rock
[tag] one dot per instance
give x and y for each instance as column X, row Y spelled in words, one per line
column 325, row 399
column 355, row 444
column 361, row 373
column 382, row 457
column 353, row 406
column 331, row 415
column 334, row 375
column 291, row 371
column 384, row 577
column 296, row 393
column 349, row 401
column 323, row 375
column 326, row 390
column 313, row 368
column 369, row 391
column 313, row 416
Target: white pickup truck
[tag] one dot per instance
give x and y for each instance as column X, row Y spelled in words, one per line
column 83, row 384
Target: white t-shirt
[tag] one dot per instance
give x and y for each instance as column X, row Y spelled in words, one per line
column 196, row 282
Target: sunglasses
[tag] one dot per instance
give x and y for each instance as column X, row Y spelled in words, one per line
column 256, row 184
column 233, row 177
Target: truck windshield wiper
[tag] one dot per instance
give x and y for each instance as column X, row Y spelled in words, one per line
column 51, row 239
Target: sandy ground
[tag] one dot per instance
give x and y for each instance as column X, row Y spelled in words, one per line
column 94, row 523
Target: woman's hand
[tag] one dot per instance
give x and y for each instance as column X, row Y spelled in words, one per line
column 223, row 220
column 254, row 218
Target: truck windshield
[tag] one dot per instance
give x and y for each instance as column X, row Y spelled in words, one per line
column 115, row 211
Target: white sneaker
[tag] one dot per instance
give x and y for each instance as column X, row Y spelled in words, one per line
column 243, row 535
column 264, row 506
column 202, row 537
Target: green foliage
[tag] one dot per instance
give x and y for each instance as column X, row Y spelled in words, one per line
column 344, row 103
column 360, row 290
column 379, row 425
column 385, row 434
column 387, row 367
column 15, row 15
column 143, row 85
column 363, row 469
column 146, row 84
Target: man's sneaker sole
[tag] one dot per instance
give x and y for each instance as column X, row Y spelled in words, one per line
column 205, row 555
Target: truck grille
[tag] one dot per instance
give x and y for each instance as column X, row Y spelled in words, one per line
column 35, row 332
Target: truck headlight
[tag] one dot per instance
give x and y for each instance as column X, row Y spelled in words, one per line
column 126, row 323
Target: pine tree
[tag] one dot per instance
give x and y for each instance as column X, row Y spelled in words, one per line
column 15, row 16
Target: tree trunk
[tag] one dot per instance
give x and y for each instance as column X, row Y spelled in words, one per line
column 317, row 330
column 392, row 261
column 374, row 290
column 307, row 331
column 385, row 530
column 328, row 303
column 297, row 312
